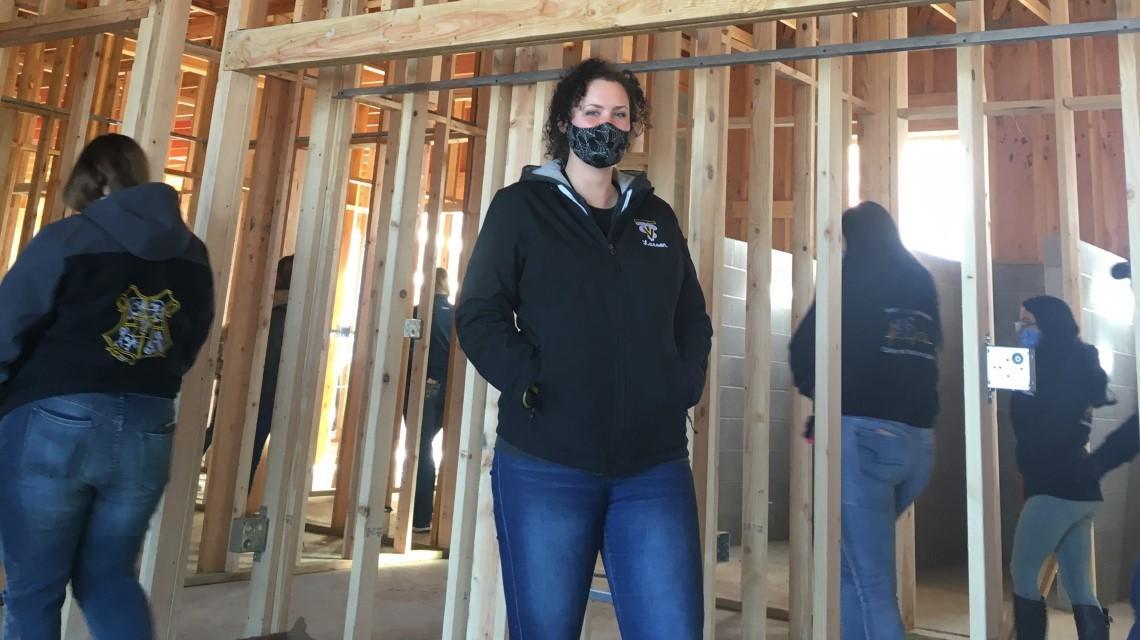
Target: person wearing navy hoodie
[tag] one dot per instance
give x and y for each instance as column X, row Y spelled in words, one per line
column 891, row 336
column 1061, row 479
column 100, row 317
column 582, row 306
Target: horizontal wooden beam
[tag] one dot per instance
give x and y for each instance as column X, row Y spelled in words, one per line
column 1014, row 107
column 469, row 25
column 455, row 124
column 822, row 52
column 77, row 22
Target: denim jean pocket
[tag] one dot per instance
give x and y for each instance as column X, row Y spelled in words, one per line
column 155, row 451
column 884, row 454
column 56, row 443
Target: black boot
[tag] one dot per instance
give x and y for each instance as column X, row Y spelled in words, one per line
column 1029, row 618
column 1092, row 622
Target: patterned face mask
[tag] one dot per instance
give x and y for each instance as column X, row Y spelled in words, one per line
column 601, row 146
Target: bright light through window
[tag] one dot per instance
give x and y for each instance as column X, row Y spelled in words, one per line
column 933, row 170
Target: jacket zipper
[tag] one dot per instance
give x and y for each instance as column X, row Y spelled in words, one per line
column 623, row 200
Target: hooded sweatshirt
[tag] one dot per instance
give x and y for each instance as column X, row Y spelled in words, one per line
column 1052, row 424
column 611, row 329
column 891, row 327
column 118, row 299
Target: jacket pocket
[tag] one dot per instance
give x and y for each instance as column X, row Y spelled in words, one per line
column 56, row 444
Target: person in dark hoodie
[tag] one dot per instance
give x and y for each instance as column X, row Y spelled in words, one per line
column 1061, row 480
column 100, row 317
column 582, row 306
column 890, row 340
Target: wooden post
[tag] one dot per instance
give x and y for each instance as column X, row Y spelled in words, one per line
column 153, row 90
column 803, row 292
column 42, row 165
column 828, row 297
column 203, row 106
column 305, row 344
column 474, row 454
column 983, row 513
column 1129, row 52
column 474, row 203
column 244, row 354
column 884, row 77
column 89, row 60
column 758, row 335
column 707, row 205
column 348, row 463
column 665, row 90
column 1069, row 227
column 167, row 543
column 370, row 521
column 437, row 172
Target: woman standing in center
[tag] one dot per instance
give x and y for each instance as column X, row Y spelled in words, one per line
column 582, row 306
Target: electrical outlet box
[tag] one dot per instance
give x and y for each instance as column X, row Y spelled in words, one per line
column 1011, row 368
column 413, row 328
column 249, row 534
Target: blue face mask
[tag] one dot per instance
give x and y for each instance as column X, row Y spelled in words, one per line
column 1029, row 337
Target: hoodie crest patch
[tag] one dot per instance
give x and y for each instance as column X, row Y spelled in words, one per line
column 142, row 331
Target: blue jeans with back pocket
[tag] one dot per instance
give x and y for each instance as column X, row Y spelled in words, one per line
column 80, row 477
column 886, row 465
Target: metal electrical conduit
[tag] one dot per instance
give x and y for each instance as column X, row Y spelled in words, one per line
column 897, row 45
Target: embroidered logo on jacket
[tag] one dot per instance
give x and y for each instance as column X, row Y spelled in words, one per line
column 648, row 231
column 142, row 331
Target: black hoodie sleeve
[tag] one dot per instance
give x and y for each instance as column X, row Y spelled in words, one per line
column 489, row 299
column 693, row 329
column 27, row 297
column 802, row 354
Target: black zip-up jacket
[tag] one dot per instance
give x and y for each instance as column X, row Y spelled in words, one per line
column 612, row 330
column 118, row 299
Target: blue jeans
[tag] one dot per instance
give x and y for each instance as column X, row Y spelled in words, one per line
column 1050, row 525
column 424, row 503
column 553, row 520
column 886, row 465
column 80, row 476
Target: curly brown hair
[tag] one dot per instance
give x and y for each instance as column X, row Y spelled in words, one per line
column 569, row 93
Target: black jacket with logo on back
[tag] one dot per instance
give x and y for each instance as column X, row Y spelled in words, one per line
column 118, row 299
column 613, row 330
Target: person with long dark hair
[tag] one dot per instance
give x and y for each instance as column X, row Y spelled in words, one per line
column 1061, row 480
column 582, row 306
column 890, row 339
column 100, row 318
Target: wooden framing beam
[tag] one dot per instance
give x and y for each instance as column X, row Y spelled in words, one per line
column 982, row 507
column 475, row 24
column 475, row 452
column 164, row 553
column 398, row 247
column 1015, row 107
column 349, row 457
column 1039, row 9
column 89, row 59
column 155, row 79
column 829, row 206
column 1066, row 137
column 758, row 339
column 73, row 22
column 437, row 170
column 244, row 353
column 946, row 10
column 458, row 389
column 305, row 345
column 803, row 287
column 707, row 202
column 1128, row 47
column 41, row 164
column 665, row 91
